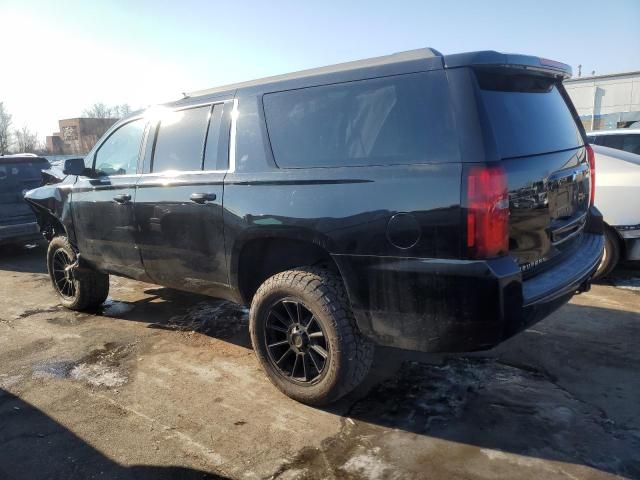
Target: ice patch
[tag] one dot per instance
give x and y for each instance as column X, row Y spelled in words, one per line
column 113, row 308
column 98, row 375
column 632, row 283
column 369, row 466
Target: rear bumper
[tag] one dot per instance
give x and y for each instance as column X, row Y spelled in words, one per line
column 19, row 232
column 456, row 305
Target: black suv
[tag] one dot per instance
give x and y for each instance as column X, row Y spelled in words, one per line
column 420, row 201
column 18, row 174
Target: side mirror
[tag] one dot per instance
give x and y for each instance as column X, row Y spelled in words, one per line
column 73, row 166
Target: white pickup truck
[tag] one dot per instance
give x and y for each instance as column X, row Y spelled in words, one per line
column 618, row 198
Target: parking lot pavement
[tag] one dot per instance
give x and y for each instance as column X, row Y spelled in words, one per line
column 163, row 384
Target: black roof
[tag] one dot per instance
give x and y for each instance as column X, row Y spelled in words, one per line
column 386, row 60
column 21, row 157
column 423, row 59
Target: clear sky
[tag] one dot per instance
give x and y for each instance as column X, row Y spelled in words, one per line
column 59, row 57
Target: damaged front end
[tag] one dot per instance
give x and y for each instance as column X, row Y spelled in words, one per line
column 52, row 207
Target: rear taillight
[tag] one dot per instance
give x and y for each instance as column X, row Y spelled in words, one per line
column 487, row 211
column 591, row 156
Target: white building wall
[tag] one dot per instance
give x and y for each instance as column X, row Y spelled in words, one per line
column 605, row 95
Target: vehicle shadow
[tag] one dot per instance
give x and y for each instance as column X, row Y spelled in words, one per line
column 566, row 390
column 168, row 309
column 30, row 258
column 34, row 446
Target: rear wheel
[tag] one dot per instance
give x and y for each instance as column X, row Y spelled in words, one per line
column 611, row 255
column 306, row 338
column 76, row 290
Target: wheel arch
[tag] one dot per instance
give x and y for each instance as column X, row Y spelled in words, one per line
column 52, row 208
column 257, row 258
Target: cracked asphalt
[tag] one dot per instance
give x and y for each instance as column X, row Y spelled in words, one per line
column 162, row 384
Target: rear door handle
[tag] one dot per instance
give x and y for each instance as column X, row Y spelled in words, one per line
column 123, row 198
column 202, row 197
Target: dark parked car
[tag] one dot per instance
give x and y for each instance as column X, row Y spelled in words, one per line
column 18, row 174
column 399, row 201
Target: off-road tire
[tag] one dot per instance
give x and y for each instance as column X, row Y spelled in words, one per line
column 611, row 255
column 90, row 287
column 323, row 294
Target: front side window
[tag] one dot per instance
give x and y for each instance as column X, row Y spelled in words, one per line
column 180, row 140
column 118, row 155
column 403, row 119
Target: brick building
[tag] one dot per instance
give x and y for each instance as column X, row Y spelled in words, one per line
column 77, row 135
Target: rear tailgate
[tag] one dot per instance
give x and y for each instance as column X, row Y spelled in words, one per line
column 542, row 151
column 18, row 175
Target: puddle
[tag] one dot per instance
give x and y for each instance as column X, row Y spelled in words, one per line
column 36, row 311
column 67, row 320
column 52, row 370
column 102, row 367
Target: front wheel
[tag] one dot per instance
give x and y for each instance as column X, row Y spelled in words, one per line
column 305, row 336
column 76, row 290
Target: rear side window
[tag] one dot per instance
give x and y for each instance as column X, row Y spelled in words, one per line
column 402, row 119
column 215, row 158
column 631, row 143
column 180, row 140
column 528, row 114
column 612, row 141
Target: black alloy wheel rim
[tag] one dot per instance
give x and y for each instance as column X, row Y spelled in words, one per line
column 63, row 278
column 296, row 342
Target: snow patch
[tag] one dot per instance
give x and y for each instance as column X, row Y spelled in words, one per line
column 369, row 466
column 98, row 375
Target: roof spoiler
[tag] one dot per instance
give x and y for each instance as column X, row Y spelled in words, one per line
column 508, row 60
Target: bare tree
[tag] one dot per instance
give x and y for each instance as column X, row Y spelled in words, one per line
column 101, row 110
column 26, row 140
column 5, row 132
column 122, row 110
column 98, row 110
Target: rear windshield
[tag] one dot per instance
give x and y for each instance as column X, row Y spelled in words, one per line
column 401, row 119
column 20, row 174
column 528, row 114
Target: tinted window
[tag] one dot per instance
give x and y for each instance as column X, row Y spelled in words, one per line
column 611, row 141
column 180, row 140
column 118, row 155
column 18, row 176
column 393, row 120
column 214, row 159
column 528, row 114
column 631, row 143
